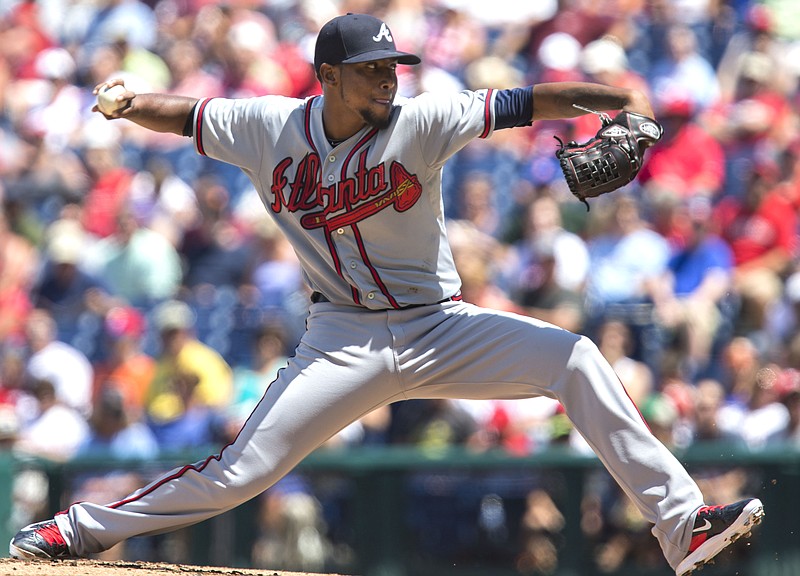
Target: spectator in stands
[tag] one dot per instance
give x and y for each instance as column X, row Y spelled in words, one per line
column 683, row 69
column 113, row 434
column 192, row 383
column 64, row 289
column 477, row 203
column 741, row 360
column 132, row 21
column 103, row 63
column 625, row 257
column 479, row 286
column 789, row 394
column 58, row 118
column 559, row 58
column 758, row 412
column 22, row 217
column 687, row 161
column 291, row 529
column 757, row 35
column 761, row 230
column 453, row 40
column 431, row 425
column 476, row 256
column 9, row 427
column 18, row 261
column 14, row 391
column 544, row 227
column 127, row 370
column 141, row 64
column 57, row 431
column 753, row 125
column 110, row 178
column 137, row 264
column 662, row 417
column 274, row 269
column 251, row 382
column 519, row 427
column 690, row 296
column 213, row 248
column 604, row 61
column 707, row 423
column 63, row 367
column 785, row 321
column 543, row 296
column 616, row 344
column 162, row 201
column 185, row 60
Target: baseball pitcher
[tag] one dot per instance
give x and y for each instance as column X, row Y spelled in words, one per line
column 353, row 179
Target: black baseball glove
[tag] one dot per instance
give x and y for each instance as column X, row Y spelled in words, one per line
column 612, row 158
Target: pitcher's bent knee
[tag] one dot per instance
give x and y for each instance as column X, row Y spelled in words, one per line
column 585, row 353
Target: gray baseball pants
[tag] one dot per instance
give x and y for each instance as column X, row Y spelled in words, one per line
column 352, row 361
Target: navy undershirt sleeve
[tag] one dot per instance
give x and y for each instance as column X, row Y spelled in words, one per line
column 513, row 107
column 188, row 127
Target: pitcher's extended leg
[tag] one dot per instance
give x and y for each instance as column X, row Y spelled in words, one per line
column 335, row 378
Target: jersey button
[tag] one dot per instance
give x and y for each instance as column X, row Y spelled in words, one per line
column 331, row 158
column 331, row 178
column 340, row 231
column 353, row 265
column 371, row 296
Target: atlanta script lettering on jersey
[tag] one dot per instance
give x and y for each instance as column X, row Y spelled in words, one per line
column 346, row 202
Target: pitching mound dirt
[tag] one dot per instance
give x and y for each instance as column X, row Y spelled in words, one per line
column 12, row 567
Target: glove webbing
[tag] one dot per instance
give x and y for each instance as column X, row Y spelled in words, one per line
column 598, row 171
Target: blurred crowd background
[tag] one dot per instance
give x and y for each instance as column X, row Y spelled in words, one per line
column 146, row 301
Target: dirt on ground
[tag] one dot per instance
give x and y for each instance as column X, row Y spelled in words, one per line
column 13, row 567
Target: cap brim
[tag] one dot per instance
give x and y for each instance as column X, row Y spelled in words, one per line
column 402, row 57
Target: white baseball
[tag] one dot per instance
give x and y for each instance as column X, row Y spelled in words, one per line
column 107, row 99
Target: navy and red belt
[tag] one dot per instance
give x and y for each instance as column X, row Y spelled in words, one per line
column 317, row 297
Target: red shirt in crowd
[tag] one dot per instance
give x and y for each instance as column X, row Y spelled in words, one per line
column 752, row 233
column 691, row 162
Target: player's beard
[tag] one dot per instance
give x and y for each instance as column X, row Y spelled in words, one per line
column 376, row 121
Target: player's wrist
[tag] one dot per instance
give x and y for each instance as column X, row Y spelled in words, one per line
column 638, row 103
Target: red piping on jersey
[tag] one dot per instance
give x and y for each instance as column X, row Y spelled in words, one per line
column 307, row 123
column 373, row 271
column 487, row 114
column 357, row 233
column 198, row 127
column 355, row 149
column 337, row 263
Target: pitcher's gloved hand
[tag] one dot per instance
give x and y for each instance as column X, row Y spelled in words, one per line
column 612, row 158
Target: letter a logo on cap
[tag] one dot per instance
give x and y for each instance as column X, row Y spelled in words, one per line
column 383, row 33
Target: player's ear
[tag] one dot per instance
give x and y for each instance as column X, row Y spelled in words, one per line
column 328, row 74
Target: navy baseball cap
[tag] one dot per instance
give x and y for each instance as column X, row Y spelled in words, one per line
column 357, row 38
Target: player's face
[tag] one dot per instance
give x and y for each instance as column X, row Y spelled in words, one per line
column 368, row 90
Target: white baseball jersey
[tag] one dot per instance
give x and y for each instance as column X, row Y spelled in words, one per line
column 366, row 217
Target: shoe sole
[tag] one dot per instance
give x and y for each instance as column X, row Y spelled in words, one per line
column 22, row 554
column 750, row 516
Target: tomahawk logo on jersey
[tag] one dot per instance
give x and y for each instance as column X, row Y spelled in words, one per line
column 357, row 198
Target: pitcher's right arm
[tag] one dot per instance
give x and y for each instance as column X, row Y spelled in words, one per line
column 157, row 112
